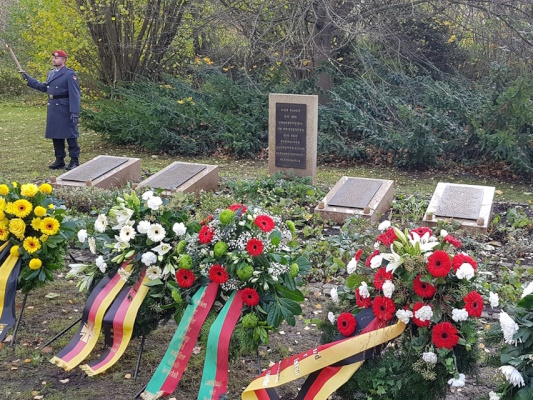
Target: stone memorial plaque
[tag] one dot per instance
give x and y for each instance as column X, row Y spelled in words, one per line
column 355, row 193
column 176, row 175
column 94, row 169
column 460, row 202
column 291, row 135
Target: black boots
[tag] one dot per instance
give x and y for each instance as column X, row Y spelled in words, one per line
column 74, row 162
column 58, row 164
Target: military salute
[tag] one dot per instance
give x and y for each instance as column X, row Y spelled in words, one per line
column 63, row 90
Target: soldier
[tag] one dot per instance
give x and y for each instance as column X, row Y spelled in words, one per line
column 63, row 91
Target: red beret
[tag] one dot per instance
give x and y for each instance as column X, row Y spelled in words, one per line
column 59, row 53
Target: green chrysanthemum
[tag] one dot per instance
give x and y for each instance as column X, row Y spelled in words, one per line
column 226, row 217
column 294, row 270
column 291, row 227
column 220, row 249
column 176, row 296
column 245, row 272
column 250, row 321
column 181, row 246
column 185, row 261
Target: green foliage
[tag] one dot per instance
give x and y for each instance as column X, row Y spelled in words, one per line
column 11, row 84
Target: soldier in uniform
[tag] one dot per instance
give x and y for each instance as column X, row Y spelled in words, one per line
column 63, row 90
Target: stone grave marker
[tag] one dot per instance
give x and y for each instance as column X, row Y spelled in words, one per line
column 103, row 172
column 470, row 205
column 183, row 177
column 365, row 197
column 292, row 134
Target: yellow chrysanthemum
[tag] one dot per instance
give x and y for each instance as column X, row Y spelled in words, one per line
column 22, row 208
column 49, row 226
column 45, row 188
column 44, row 238
column 29, row 189
column 2, row 215
column 35, row 263
column 15, row 184
column 51, row 206
column 39, row 211
column 14, row 251
column 4, row 189
column 31, row 244
column 2, row 203
column 17, row 227
column 9, row 208
column 36, row 224
column 4, row 233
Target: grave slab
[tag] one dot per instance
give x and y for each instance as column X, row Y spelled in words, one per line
column 103, row 172
column 470, row 205
column 364, row 197
column 183, row 177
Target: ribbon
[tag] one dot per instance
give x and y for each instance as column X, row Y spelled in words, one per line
column 174, row 362
column 91, row 323
column 322, row 361
column 9, row 272
column 121, row 316
column 215, row 374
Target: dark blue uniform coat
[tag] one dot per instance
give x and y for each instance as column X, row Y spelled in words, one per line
column 64, row 84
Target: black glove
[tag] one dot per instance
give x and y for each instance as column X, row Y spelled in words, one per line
column 25, row 76
column 74, row 118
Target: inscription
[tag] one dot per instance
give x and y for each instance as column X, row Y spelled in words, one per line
column 355, row 193
column 94, row 169
column 175, row 175
column 460, row 202
column 291, row 135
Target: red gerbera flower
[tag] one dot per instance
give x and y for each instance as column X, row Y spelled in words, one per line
column 346, row 324
column 421, row 231
column 387, row 238
column 206, row 234
column 417, row 306
column 462, row 258
column 185, row 278
column 218, row 274
column 439, row 264
column 358, row 254
column 423, row 289
column 445, row 335
column 369, row 259
column 236, row 206
column 383, row 308
column 473, row 304
column 453, row 241
column 254, row 247
column 381, row 276
column 362, row 302
column 250, row 297
column 264, row 222
column 206, row 221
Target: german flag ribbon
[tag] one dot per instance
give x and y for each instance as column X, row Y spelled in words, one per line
column 95, row 308
column 174, row 362
column 121, row 317
column 215, row 374
column 9, row 272
column 329, row 365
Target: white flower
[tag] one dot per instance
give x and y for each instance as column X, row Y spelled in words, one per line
column 101, row 264
column 465, row 271
column 179, row 229
column 143, row 227
column 148, row 258
column 404, row 315
column 76, row 269
column 457, row 382
column 384, row 225
column 153, row 272
column 376, row 261
column 82, row 235
column 101, row 223
column 459, row 315
column 508, row 327
column 424, row 313
column 513, row 376
column 429, row 357
column 162, row 249
column 120, row 245
column 334, row 295
column 92, row 245
column 425, row 242
column 395, row 260
column 154, row 203
column 363, row 290
column 156, row 233
column 388, row 288
column 126, row 233
column 527, row 290
column 493, row 396
column 122, row 214
column 331, row 318
column 494, row 299
column 352, row 266
column 124, row 275
column 443, row 233
column 146, row 195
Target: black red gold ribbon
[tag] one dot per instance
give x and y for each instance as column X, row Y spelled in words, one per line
column 9, row 272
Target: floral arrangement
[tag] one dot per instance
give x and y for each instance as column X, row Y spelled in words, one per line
column 33, row 221
column 244, row 248
column 426, row 282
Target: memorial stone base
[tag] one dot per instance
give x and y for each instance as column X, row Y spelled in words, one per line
column 364, row 197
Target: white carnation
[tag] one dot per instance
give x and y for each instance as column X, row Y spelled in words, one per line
column 459, row 315
column 146, row 195
column 82, row 235
column 331, row 318
column 457, row 382
column 363, row 290
column 179, row 229
column 143, row 227
column 101, row 264
column 334, row 294
column 465, row 271
column 388, row 288
column 154, row 203
column 352, row 266
column 429, row 357
column 424, row 313
column 376, row 261
column 494, row 299
column 404, row 315
column 384, row 225
column 148, row 258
